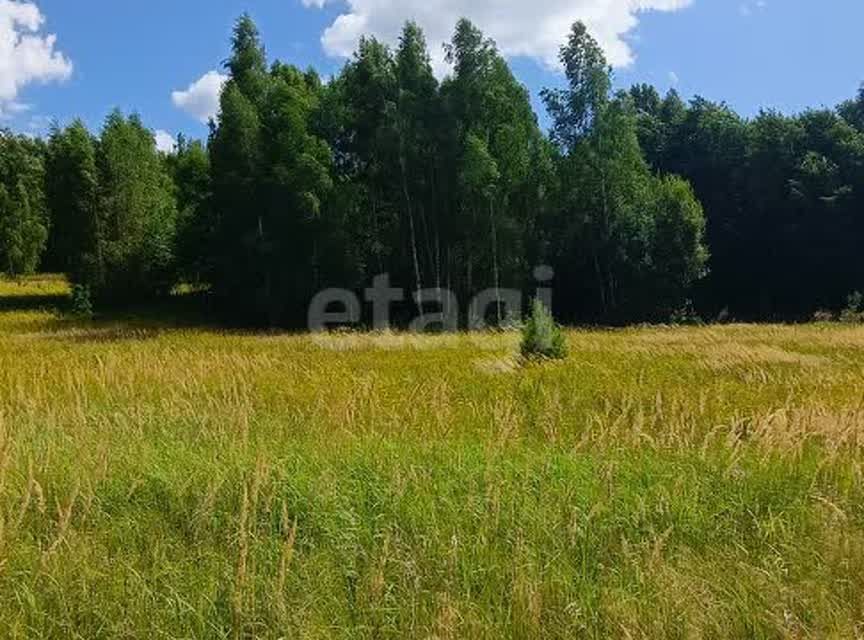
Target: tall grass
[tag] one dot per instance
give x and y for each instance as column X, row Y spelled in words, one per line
column 160, row 482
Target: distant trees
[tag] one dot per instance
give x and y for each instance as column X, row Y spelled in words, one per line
column 494, row 144
column 23, row 213
column 72, row 188
column 853, row 111
column 783, row 197
column 189, row 168
column 136, row 215
column 270, row 174
column 644, row 205
column 629, row 244
column 113, row 210
column 435, row 185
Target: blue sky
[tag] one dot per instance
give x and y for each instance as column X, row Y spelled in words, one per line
column 785, row 54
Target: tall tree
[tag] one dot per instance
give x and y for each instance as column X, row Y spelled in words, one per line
column 491, row 134
column 189, row 167
column 247, row 65
column 235, row 156
column 368, row 145
column 136, row 221
column 72, row 187
column 23, row 214
column 270, row 174
column 613, row 213
column 678, row 251
column 574, row 109
column 418, row 110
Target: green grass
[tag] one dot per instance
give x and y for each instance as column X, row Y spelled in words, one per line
column 167, row 481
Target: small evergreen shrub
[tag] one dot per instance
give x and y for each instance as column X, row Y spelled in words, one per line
column 541, row 336
column 82, row 304
column 854, row 311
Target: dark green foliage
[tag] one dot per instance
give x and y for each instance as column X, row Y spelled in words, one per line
column 113, row 211
column 136, row 216
column 575, row 109
column 541, row 336
column 853, row 111
column 678, row 251
column 81, row 301
column 270, row 173
column 782, row 198
column 629, row 245
column 854, row 311
column 640, row 202
column 72, row 188
column 189, row 167
column 23, row 214
column 686, row 316
column 488, row 190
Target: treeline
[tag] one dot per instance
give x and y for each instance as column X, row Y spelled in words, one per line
column 644, row 206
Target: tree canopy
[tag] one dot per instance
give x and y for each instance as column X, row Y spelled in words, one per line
column 642, row 204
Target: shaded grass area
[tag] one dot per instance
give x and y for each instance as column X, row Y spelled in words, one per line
column 162, row 481
column 34, row 293
column 43, row 302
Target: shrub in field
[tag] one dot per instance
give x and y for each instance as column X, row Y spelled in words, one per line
column 82, row 303
column 854, row 311
column 541, row 336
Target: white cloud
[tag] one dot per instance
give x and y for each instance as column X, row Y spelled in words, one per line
column 165, row 142
column 674, row 80
column 747, row 9
column 535, row 28
column 26, row 55
column 201, row 98
column 11, row 108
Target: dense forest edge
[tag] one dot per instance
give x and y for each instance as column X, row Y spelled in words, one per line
column 640, row 207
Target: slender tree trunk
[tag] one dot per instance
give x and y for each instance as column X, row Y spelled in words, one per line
column 607, row 294
column 495, row 271
column 376, row 235
column 429, row 257
column 438, row 209
column 437, row 261
column 449, row 278
column 600, row 281
column 469, row 256
column 408, row 207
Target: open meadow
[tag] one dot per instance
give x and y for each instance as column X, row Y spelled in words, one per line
column 162, row 481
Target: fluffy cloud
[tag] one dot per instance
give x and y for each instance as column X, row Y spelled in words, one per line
column 534, row 28
column 201, row 98
column 165, row 142
column 26, row 55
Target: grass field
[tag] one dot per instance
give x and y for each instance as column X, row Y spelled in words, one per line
column 164, row 482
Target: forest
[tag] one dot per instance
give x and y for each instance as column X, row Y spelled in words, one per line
column 646, row 207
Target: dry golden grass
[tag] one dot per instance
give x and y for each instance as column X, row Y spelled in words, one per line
column 660, row 483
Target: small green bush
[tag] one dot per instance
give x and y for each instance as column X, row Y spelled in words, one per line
column 854, row 311
column 82, row 304
column 541, row 336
